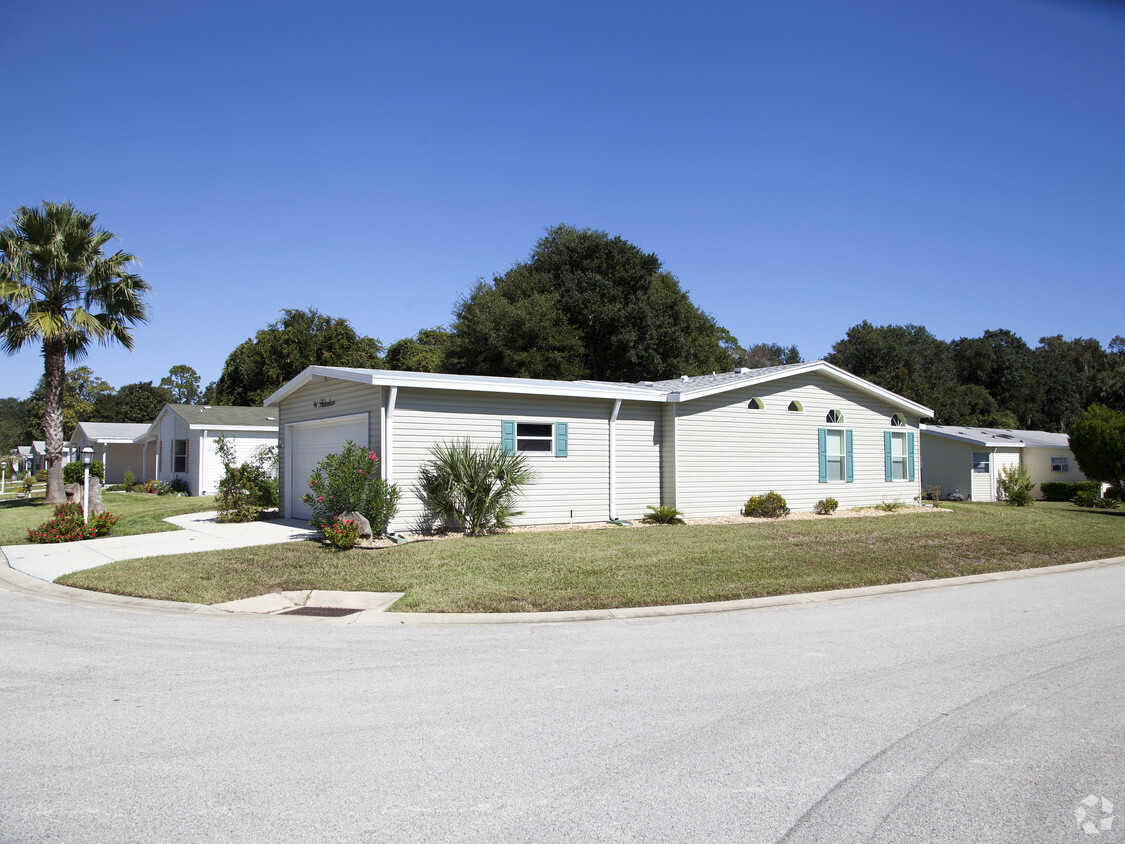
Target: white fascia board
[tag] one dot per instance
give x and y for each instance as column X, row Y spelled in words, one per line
column 828, row 369
column 468, row 383
column 266, row 429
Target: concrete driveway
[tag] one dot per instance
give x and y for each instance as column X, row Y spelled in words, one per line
column 981, row 712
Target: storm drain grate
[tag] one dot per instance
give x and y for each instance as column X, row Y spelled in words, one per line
column 326, row 612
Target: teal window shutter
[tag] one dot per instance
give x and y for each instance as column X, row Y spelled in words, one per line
column 508, row 436
column 888, row 465
column 823, row 435
column 910, row 455
column 848, row 448
column 562, row 439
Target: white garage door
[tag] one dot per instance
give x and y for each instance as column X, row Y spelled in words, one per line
column 309, row 443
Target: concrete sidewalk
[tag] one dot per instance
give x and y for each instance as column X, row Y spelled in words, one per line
column 200, row 532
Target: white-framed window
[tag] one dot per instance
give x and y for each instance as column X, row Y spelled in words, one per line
column 795, row 406
column 898, row 421
column 835, row 454
column 898, row 456
column 834, row 417
column 534, row 437
column 755, row 404
column 179, row 456
column 1060, row 464
column 980, row 462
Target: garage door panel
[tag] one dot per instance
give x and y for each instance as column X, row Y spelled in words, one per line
column 312, row 442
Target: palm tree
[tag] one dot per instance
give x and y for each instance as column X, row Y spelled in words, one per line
column 58, row 288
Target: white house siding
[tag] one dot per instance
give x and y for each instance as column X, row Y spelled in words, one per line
column 1037, row 464
column 573, row 488
column 947, row 464
column 727, row 453
column 172, row 427
column 303, row 405
column 638, row 434
column 668, row 454
column 246, row 446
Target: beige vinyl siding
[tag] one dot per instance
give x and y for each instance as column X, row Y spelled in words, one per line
column 947, row 464
column 348, row 398
column 668, row 455
column 573, row 488
column 638, row 458
column 1037, row 464
column 726, row 453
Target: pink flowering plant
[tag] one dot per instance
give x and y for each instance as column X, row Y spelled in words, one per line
column 351, row 481
column 343, row 533
column 67, row 526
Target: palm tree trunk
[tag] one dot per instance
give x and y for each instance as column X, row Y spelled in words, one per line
column 54, row 374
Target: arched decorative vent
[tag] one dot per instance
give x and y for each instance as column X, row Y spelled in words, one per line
column 898, row 421
column 795, row 407
column 755, row 404
column 834, row 417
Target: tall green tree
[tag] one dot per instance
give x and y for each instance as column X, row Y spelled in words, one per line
column 81, row 391
column 1003, row 364
column 137, row 403
column 60, row 290
column 13, row 424
column 584, row 305
column 1097, row 439
column 424, row 352
column 282, row 350
column 907, row 359
column 183, row 382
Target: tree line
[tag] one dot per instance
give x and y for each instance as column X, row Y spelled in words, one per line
column 584, row 305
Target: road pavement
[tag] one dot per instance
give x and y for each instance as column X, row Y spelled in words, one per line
column 981, row 712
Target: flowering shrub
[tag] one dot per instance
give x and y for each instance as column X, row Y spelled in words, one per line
column 342, row 533
column 350, row 481
column 826, row 506
column 67, row 526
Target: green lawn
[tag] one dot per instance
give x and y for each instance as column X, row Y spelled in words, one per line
column 138, row 512
column 640, row 566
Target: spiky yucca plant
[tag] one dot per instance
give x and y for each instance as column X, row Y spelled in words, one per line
column 475, row 488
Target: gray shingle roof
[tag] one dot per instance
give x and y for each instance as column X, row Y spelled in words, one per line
column 110, row 430
column 685, row 386
column 219, row 416
column 1002, row 436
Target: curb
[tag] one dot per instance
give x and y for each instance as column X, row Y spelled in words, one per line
column 15, row 581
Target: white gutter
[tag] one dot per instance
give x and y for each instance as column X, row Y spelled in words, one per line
column 613, row 460
column 388, row 439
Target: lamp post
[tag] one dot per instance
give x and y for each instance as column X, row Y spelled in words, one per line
column 87, row 456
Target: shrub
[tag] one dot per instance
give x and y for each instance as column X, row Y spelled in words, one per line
column 350, row 481
column 888, row 506
column 41, row 476
column 826, row 506
column 663, row 516
column 246, row 489
column 768, row 506
column 1066, row 490
column 931, row 492
column 67, row 526
column 128, row 478
column 75, row 472
column 178, row 486
column 1015, row 486
column 343, row 533
column 1092, row 499
column 474, row 488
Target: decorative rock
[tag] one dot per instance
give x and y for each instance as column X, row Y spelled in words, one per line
column 73, row 493
column 364, row 525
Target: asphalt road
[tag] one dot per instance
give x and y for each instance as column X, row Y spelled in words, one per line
column 977, row 713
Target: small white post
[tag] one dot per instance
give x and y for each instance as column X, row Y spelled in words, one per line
column 87, row 456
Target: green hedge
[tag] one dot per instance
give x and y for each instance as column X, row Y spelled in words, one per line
column 1066, row 490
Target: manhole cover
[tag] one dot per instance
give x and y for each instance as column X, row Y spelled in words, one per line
column 327, row 612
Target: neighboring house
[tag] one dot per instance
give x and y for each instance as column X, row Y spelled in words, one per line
column 180, row 443
column 38, row 456
column 20, row 458
column 114, row 444
column 969, row 460
column 608, row 450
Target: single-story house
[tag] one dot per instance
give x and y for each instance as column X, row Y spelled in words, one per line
column 969, row 460
column 604, row 451
column 114, row 444
column 180, row 442
column 38, row 456
column 20, row 458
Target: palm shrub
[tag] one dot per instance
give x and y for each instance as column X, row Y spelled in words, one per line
column 473, row 488
column 350, row 482
column 663, row 515
column 1015, row 485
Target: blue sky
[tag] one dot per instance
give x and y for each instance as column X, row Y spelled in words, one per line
column 800, row 166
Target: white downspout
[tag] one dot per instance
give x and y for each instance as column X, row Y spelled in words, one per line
column 105, row 468
column 388, row 440
column 613, row 460
column 199, row 466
